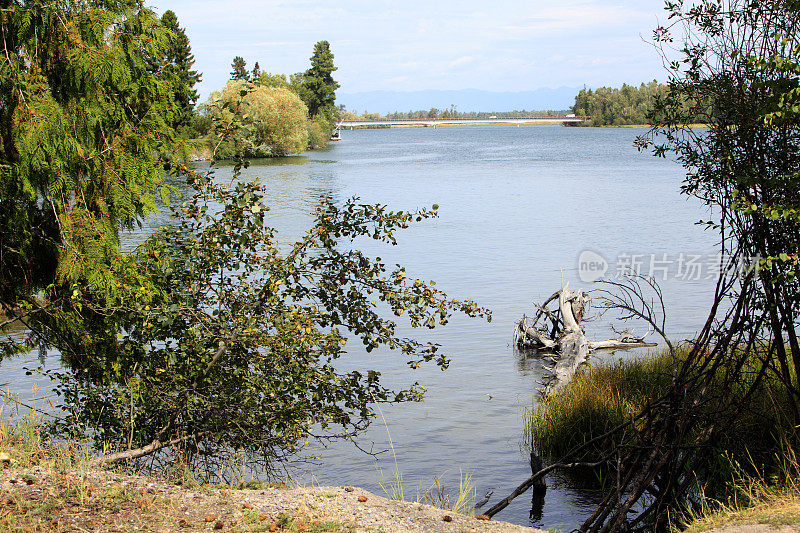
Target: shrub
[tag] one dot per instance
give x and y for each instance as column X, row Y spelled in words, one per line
column 259, row 121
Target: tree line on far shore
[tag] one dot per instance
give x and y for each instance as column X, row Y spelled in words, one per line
column 447, row 113
column 627, row 105
column 604, row 106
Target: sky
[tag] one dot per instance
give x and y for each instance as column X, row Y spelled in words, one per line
column 411, row 45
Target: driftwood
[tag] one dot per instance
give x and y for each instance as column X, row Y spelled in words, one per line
column 558, row 332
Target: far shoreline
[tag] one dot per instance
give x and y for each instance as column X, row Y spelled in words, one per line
column 470, row 124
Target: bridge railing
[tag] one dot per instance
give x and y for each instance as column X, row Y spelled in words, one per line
column 467, row 119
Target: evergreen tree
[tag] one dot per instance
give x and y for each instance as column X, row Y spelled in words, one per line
column 256, row 75
column 82, row 135
column 319, row 86
column 178, row 61
column 239, row 69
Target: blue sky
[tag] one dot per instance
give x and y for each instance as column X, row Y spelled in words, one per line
column 496, row 45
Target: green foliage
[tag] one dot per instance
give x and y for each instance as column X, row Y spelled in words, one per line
column 258, row 121
column 235, row 347
column 318, row 86
column 255, row 75
column 274, row 80
column 177, row 62
column 84, row 123
column 319, row 132
column 742, row 82
column 608, row 106
column 605, row 396
column 239, row 69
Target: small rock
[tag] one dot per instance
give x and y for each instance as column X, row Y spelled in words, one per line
column 211, row 517
column 247, row 505
column 5, row 458
column 483, row 517
column 348, row 489
column 218, row 524
column 447, row 518
column 273, row 527
column 362, row 498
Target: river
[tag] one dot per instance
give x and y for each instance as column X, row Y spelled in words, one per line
column 518, row 206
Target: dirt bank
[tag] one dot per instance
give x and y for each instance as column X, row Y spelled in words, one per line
column 46, row 499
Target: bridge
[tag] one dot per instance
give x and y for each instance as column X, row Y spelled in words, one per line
column 457, row 121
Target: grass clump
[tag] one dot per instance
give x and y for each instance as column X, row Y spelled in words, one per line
column 594, row 402
column 756, row 500
column 604, row 396
column 437, row 495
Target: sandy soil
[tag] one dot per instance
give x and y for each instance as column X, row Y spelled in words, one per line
column 41, row 499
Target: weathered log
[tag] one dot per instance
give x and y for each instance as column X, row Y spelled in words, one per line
column 574, row 353
column 616, row 344
column 565, row 338
column 532, row 337
column 573, row 345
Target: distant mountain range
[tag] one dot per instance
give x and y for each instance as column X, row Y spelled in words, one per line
column 465, row 100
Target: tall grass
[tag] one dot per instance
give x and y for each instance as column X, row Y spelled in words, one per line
column 607, row 395
column 755, row 498
column 462, row 501
column 597, row 400
column 436, row 495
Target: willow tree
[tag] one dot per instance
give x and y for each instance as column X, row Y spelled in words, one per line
column 258, row 121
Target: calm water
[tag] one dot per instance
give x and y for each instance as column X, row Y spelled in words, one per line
column 517, row 207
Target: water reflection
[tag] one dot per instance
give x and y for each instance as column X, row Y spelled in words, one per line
column 531, row 360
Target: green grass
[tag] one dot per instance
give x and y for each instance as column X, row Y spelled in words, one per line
column 607, row 395
column 756, row 500
column 597, row 400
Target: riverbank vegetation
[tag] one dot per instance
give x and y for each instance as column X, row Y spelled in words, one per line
column 210, row 339
column 624, row 106
column 606, row 396
column 609, row 106
column 730, row 398
column 275, row 115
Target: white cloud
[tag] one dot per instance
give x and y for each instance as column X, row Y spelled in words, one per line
column 508, row 45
